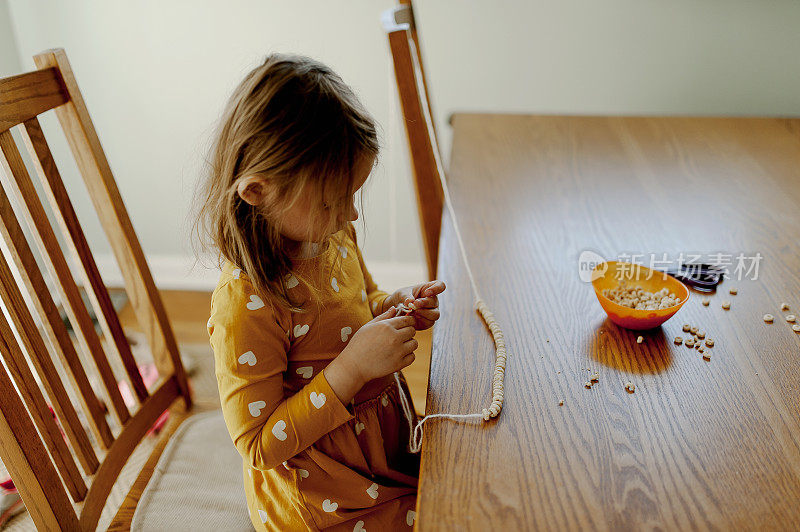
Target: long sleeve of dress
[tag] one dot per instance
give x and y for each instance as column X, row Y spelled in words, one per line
column 375, row 295
column 250, row 344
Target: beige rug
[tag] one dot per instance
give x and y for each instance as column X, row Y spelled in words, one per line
column 198, row 360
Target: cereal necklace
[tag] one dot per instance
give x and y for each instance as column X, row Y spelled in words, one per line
column 496, row 405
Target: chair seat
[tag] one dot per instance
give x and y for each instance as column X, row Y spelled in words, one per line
column 197, row 482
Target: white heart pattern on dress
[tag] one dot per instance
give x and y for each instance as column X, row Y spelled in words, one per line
column 305, row 371
column 300, row 330
column 363, row 296
column 236, row 273
column 372, row 491
column 334, row 284
column 329, row 506
column 279, row 430
column 249, row 358
column 359, row 428
column 255, row 408
column 318, row 400
column 255, row 303
column 291, row 281
column 384, row 400
column 303, row 473
column 286, row 465
column 343, row 251
column 263, row 515
column 345, row 333
column 410, row 516
column 359, row 527
column 208, row 323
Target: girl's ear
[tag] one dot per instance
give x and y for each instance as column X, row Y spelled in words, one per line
column 252, row 189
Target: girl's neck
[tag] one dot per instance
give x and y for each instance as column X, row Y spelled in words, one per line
column 302, row 250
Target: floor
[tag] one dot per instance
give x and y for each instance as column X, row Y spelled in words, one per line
column 188, row 313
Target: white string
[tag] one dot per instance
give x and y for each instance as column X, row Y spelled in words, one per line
column 496, row 406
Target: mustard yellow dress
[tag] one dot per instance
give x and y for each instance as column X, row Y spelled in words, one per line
column 310, row 462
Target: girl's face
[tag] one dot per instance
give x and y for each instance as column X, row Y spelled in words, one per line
column 295, row 224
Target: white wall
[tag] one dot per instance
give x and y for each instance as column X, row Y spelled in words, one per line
column 9, row 56
column 155, row 75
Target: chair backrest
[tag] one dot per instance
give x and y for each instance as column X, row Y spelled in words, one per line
column 56, row 493
column 400, row 28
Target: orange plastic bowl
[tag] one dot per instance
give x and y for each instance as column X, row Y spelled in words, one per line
column 609, row 275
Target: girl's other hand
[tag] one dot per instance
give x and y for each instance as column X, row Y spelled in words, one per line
column 424, row 299
column 380, row 347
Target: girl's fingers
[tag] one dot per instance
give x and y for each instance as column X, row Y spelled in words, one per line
column 406, row 333
column 410, row 345
column 427, row 314
column 428, row 302
column 408, row 359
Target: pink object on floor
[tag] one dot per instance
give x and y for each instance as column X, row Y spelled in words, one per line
column 149, row 375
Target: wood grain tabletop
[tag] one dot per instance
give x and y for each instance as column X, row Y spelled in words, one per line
column 699, row 444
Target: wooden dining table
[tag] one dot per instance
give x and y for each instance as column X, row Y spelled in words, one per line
column 699, row 444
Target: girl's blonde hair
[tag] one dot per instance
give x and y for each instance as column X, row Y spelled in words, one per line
column 294, row 122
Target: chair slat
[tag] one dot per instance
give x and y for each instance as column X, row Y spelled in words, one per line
column 430, row 195
column 65, row 214
column 29, row 388
column 26, row 458
column 164, row 395
column 60, row 339
column 19, row 180
column 91, row 160
column 28, row 95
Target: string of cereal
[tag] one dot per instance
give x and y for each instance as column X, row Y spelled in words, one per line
column 494, row 409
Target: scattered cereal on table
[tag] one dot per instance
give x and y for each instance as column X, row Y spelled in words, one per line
column 709, row 342
column 705, row 302
column 689, row 342
column 700, row 348
column 594, row 377
column 687, row 327
column 561, row 403
column 784, row 306
column 707, row 356
column 768, row 318
column 693, row 330
column 733, row 291
column 678, row 340
column 726, row 305
column 630, row 387
column 588, row 384
column 791, row 318
column 640, row 340
column 796, row 328
column 701, row 334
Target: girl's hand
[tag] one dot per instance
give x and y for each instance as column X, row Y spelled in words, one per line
column 379, row 347
column 424, row 299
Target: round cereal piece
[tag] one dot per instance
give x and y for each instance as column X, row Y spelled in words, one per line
column 686, row 327
column 639, row 340
column 784, row 306
column 706, row 302
column 588, row 384
column 796, row 328
column 768, row 318
column 791, row 318
column 594, row 377
column 689, row 342
column 700, row 348
column 561, row 403
column 709, row 342
column 701, row 334
column 726, row 305
column 630, row 387
column 733, row 291
column 693, row 330
column 707, row 356
column 678, row 340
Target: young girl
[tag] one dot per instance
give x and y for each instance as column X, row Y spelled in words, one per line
column 306, row 346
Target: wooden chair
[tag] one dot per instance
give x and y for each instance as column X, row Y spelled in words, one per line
column 57, row 492
column 400, row 28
